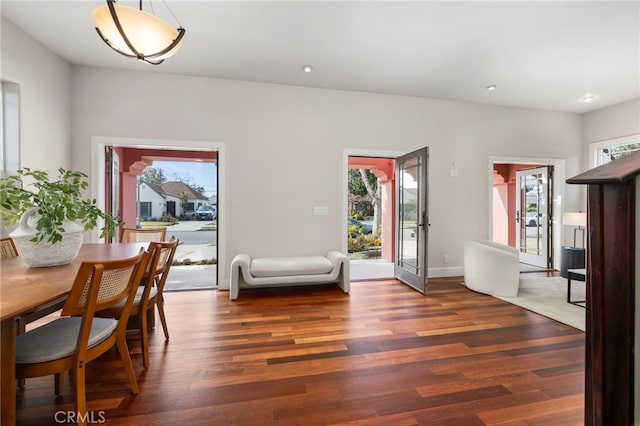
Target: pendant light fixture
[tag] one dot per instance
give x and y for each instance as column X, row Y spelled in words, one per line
column 136, row 33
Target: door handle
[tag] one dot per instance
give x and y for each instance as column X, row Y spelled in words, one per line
column 421, row 225
column 517, row 216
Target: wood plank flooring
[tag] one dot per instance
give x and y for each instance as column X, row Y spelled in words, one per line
column 384, row 355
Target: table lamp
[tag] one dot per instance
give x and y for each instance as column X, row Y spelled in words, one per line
column 577, row 219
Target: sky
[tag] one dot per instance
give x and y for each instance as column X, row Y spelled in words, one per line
column 196, row 173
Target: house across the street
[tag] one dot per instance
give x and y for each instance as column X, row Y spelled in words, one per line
column 175, row 198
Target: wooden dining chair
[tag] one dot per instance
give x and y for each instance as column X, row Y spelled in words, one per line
column 78, row 337
column 165, row 260
column 7, row 248
column 149, row 294
column 132, row 235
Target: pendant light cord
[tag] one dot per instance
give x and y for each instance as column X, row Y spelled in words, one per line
column 153, row 12
column 171, row 12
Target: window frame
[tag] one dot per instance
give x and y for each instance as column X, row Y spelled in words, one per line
column 9, row 128
column 596, row 147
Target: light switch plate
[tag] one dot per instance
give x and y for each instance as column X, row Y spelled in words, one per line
column 321, row 211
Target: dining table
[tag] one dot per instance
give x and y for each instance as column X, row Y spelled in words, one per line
column 24, row 289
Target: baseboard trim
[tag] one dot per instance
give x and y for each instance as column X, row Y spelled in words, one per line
column 454, row 271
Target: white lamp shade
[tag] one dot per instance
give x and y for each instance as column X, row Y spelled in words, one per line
column 147, row 33
column 574, row 219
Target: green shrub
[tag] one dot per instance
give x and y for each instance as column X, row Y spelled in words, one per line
column 168, row 217
column 359, row 241
column 355, row 245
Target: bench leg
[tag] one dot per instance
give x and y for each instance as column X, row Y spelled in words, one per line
column 344, row 279
column 233, row 292
column 234, row 285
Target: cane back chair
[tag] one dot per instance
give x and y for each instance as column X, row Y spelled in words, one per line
column 77, row 337
column 149, row 294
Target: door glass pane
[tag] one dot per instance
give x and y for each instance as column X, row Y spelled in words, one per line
column 409, row 216
column 534, row 210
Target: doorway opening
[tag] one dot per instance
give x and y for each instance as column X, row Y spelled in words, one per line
column 525, row 198
column 370, row 204
column 402, row 180
column 142, row 203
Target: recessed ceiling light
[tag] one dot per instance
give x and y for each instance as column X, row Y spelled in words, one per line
column 588, row 99
column 307, row 68
column 492, row 87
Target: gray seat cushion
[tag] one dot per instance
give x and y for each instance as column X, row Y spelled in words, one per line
column 138, row 298
column 58, row 339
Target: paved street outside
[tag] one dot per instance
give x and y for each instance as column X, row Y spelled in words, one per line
column 197, row 242
column 192, row 277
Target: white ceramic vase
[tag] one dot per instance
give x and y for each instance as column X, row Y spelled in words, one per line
column 43, row 253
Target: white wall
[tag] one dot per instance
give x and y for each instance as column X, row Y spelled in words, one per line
column 612, row 122
column 283, row 145
column 45, row 99
column 284, row 149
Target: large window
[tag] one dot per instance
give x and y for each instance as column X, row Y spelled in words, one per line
column 9, row 132
column 607, row 151
column 9, row 128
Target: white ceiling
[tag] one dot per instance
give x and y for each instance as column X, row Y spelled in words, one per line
column 542, row 54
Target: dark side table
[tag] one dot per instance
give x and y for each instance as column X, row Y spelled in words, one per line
column 577, row 275
column 572, row 258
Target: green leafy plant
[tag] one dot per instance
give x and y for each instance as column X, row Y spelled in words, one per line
column 358, row 241
column 56, row 201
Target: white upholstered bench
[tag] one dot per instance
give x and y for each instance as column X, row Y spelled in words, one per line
column 288, row 271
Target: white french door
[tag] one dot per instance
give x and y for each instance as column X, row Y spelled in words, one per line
column 533, row 216
column 112, row 177
column 412, row 219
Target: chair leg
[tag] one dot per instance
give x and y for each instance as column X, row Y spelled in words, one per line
column 163, row 319
column 20, row 329
column 81, row 398
column 21, row 325
column 151, row 317
column 123, row 349
column 144, row 339
column 59, row 383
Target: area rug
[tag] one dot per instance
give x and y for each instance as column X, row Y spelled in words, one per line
column 548, row 296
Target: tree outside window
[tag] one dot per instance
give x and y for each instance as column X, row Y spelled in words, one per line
column 611, row 153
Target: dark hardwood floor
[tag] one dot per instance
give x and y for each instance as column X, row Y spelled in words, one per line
column 384, row 355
